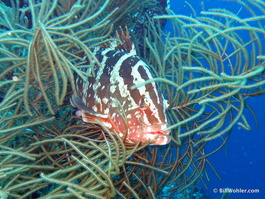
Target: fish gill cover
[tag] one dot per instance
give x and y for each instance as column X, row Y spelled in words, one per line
column 203, row 67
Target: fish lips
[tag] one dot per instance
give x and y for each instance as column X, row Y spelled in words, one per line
column 155, row 133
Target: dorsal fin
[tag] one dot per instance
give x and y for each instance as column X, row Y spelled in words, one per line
column 123, row 42
column 126, row 42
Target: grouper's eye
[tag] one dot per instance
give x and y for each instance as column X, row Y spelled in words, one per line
column 142, row 103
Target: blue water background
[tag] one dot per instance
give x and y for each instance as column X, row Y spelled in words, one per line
column 241, row 163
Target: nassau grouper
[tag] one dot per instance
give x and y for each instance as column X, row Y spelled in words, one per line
column 136, row 114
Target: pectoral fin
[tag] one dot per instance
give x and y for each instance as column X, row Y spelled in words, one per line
column 77, row 102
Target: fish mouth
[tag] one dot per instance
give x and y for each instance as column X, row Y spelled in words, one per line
column 155, row 133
